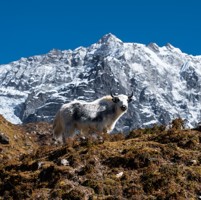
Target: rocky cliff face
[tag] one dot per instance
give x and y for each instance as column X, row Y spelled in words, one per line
column 165, row 81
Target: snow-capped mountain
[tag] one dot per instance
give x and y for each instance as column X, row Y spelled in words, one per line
column 166, row 82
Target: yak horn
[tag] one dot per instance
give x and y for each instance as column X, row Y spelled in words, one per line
column 112, row 94
column 130, row 96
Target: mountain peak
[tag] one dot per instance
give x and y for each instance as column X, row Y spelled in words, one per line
column 109, row 38
column 169, row 46
column 153, row 46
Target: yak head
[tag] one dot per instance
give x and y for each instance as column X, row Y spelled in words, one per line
column 122, row 100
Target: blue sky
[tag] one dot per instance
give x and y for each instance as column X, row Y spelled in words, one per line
column 33, row 27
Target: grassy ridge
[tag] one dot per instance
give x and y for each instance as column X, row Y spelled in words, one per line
column 149, row 163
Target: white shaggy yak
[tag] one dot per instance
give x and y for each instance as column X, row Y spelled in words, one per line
column 99, row 116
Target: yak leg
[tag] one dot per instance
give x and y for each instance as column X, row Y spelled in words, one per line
column 57, row 133
column 69, row 131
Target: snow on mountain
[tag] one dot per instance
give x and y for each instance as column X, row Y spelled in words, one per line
column 166, row 82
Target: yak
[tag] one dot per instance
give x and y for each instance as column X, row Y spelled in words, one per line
column 99, row 116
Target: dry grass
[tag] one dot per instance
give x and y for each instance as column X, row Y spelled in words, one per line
column 147, row 164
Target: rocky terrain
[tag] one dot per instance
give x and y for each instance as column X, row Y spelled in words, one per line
column 165, row 81
column 150, row 163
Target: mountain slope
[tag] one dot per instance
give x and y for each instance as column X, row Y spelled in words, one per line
column 151, row 163
column 165, row 81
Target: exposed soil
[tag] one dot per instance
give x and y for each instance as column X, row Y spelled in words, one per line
column 149, row 163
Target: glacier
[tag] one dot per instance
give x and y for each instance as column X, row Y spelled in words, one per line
column 166, row 82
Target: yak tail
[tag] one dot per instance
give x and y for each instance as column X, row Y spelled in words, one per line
column 57, row 128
